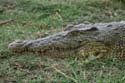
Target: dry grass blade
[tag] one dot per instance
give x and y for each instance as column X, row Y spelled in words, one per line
column 62, row 73
column 5, row 22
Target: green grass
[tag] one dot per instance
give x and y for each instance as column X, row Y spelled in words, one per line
column 44, row 16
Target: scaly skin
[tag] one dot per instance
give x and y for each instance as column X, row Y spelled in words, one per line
column 75, row 40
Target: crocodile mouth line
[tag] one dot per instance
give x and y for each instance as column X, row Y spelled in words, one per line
column 50, row 51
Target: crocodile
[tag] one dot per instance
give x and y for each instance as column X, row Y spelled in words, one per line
column 78, row 40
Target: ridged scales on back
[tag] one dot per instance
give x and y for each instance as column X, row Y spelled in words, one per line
column 74, row 40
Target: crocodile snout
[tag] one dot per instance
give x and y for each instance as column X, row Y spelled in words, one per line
column 17, row 46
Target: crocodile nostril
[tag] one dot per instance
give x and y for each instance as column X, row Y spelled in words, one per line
column 11, row 46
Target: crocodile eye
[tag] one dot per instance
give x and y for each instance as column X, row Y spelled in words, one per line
column 69, row 27
column 109, row 25
column 92, row 29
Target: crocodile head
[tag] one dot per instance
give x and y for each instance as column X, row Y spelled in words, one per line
column 72, row 39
